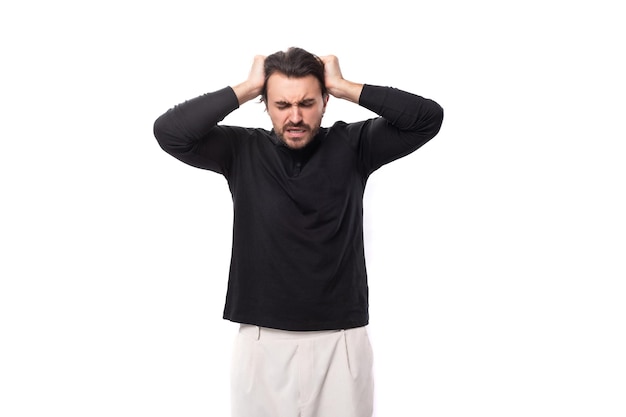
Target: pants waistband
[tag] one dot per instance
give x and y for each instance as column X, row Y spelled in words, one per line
column 266, row 333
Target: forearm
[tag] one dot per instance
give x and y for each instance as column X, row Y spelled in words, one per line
column 189, row 131
column 404, row 110
column 245, row 92
column 252, row 86
column 407, row 122
column 194, row 118
column 346, row 90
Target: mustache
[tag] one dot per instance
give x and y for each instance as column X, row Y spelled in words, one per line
column 300, row 125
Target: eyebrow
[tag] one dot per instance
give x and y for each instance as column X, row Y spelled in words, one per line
column 305, row 102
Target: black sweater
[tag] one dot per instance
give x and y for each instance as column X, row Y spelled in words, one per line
column 298, row 255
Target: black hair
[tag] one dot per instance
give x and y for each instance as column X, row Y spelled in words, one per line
column 296, row 63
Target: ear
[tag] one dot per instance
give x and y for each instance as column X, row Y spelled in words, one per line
column 325, row 98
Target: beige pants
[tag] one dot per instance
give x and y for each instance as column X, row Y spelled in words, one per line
column 302, row 374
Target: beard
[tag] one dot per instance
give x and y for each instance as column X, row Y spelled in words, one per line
column 298, row 135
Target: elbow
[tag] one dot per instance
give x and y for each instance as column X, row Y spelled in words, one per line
column 158, row 129
column 437, row 120
column 432, row 125
column 161, row 130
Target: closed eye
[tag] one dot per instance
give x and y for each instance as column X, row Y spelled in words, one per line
column 282, row 105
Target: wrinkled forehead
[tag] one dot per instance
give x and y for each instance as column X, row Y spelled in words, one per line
column 291, row 89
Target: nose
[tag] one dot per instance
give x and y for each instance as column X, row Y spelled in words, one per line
column 295, row 115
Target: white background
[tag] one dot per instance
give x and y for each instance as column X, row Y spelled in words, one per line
column 495, row 252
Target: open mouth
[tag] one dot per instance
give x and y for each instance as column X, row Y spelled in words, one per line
column 296, row 131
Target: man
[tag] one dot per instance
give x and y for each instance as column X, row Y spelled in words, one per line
column 297, row 282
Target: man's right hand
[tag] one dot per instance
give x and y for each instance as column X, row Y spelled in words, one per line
column 251, row 88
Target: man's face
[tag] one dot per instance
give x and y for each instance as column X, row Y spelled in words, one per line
column 296, row 107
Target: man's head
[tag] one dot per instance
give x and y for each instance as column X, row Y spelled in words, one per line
column 295, row 95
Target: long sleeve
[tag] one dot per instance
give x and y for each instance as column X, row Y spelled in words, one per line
column 298, row 255
column 189, row 131
column 407, row 122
